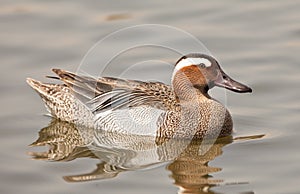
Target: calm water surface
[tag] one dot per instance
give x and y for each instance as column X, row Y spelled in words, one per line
column 256, row 42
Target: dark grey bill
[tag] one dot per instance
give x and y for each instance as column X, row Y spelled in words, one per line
column 225, row 81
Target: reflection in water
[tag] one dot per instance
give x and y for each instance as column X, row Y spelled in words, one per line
column 119, row 153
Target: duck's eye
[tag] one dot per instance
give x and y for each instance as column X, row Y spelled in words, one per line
column 202, row 65
column 203, row 62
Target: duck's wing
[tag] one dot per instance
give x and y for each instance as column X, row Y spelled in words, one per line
column 106, row 93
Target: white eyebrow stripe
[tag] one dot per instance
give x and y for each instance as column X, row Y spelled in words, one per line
column 192, row 61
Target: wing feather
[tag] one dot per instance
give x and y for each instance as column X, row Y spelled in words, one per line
column 108, row 94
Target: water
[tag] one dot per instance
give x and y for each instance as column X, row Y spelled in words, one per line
column 256, row 42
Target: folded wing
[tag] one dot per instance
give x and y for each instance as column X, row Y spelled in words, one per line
column 106, row 93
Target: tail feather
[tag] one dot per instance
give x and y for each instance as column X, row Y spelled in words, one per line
column 61, row 102
column 51, row 94
column 43, row 90
column 38, row 86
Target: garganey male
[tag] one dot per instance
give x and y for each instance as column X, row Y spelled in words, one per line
column 182, row 110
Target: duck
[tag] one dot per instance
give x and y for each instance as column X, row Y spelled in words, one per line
column 183, row 109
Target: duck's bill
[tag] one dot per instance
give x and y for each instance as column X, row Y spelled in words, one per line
column 226, row 82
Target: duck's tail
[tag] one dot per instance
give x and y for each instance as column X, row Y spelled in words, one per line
column 42, row 89
column 61, row 103
column 52, row 95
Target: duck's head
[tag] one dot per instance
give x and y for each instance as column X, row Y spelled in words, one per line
column 204, row 72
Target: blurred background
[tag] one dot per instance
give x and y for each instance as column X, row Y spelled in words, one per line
column 256, row 42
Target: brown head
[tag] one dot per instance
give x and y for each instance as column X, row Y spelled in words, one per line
column 202, row 72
